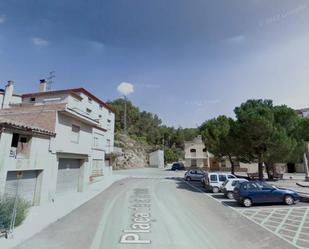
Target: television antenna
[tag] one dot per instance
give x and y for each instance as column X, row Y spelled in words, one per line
column 50, row 81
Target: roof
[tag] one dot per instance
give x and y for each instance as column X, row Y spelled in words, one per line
column 16, row 125
column 73, row 91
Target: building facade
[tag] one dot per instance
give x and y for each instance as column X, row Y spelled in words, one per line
column 196, row 154
column 84, row 135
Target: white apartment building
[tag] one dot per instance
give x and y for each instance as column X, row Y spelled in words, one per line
column 78, row 152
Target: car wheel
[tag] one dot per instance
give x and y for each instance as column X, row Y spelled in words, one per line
column 247, row 202
column 230, row 195
column 215, row 190
column 288, row 200
column 188, row 178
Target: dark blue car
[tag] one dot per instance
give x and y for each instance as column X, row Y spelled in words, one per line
column 178, row 166
column 248, row 193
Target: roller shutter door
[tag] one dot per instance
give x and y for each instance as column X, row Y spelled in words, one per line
column 68, row 175
column 26, row 184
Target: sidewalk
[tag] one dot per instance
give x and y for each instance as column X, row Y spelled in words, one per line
column 290, row 181
column 41, row 216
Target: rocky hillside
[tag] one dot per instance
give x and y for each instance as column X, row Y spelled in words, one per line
column 130, row 153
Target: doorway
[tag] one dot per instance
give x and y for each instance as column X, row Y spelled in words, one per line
column 291, row 167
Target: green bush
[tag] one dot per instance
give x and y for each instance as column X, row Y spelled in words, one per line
column 6, row 209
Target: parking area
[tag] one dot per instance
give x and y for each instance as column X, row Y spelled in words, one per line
column 290, row 223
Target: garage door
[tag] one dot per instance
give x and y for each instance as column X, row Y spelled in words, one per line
column 26, row 184
column 68, row 175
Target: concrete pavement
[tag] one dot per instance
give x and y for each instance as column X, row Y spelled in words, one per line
column 154, row 209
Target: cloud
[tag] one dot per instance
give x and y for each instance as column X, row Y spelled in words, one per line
column 236, row 39
column 96, row 45
column 40, row 42
column 125, row 88
column 2, row 18
column 282, row 15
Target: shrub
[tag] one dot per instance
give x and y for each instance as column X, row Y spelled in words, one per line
column 6, row 209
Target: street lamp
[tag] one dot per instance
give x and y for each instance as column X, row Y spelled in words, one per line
column 125, row 88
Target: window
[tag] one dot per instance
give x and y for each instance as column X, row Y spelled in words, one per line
column 100, row 116
column 108, row 121
column 193, row 150
column 88, row 110
column 75, row 134
column 15, row 140
column 98, row 141
column 231, row 177
column 222, row 178
column 213, row 178
column 234, row 183
column 89, row 100
column 32, row 99
column 204, row 150
column 101, row 107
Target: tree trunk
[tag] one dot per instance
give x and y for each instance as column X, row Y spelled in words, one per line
column 269, row 171
column 232, row 165
column 261, row 174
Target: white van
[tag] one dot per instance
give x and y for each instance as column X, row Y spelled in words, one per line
column 214, row 180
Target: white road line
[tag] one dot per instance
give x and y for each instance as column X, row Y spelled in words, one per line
column 239, row 212
column 267, row 218
column 300, row 226
column 286, row 217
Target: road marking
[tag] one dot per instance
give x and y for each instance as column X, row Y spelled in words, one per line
column 100, row 229
column 141, row 217
column 278, row 213
column 300, row 226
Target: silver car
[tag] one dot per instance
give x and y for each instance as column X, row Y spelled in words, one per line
column 194, row 175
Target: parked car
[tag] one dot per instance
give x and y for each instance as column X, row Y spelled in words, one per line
column 178, row 166
column 194, row 175
column 214, row 180
column 228, row 186
column 249, row 193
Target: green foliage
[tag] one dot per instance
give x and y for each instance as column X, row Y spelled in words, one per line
column 6, row 208
column 146, row 127
column 268, row 134
column 217, row 134
column 261, row 133
column 220, row 138
column 170, row 156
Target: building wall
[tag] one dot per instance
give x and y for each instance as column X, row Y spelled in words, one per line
column 156, row 159
column 39, row 159
column 63, row 142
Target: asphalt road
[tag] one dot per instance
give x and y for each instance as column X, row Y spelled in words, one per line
column 154, row 210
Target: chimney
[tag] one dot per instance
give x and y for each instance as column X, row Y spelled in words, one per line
column 8, row 94
column 43, row 86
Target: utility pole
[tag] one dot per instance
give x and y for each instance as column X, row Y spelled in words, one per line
column 125, row 115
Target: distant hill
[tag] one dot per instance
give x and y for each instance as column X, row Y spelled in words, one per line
column 147, row 129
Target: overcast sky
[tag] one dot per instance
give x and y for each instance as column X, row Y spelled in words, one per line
column 188, row 60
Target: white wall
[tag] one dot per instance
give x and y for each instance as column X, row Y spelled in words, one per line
column 39, row 159
column 156, row 159
column 63, row 140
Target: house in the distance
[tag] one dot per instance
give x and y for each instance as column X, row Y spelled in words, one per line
column 78, row 152
column 196, row 154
